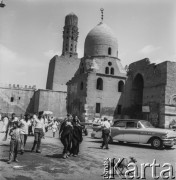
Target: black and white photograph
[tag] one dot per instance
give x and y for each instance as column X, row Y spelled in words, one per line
column 87, row 89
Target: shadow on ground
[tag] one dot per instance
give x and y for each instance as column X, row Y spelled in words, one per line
column 19, row 178
column 5, row 145
column 55, row 156
column 145, row 146
column 3, row 160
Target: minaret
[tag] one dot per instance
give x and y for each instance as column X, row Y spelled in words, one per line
column 70, row 36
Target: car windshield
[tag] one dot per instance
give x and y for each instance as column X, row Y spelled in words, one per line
column 146, row 124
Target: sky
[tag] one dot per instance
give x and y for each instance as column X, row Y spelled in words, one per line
column 31, row 33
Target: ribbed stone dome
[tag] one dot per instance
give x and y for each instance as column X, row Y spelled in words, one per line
column 101, row 41
column 71, row 19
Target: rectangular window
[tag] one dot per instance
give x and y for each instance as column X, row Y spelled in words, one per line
column 11, row 99
column 97, row 107
column 131, row 125
column 119, row 109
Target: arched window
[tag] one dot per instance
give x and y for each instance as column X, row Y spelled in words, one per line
column 112, row 71
column 120, row 86
column 109, row 51
column 99, row 84
column 81, row 86
column 106, row 70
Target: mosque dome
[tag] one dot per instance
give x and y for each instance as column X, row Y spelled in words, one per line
column 71, row 20
column 101, row 41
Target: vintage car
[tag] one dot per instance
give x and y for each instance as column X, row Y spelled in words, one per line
column 139, row 131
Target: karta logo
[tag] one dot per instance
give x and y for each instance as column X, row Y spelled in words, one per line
column 126, row 168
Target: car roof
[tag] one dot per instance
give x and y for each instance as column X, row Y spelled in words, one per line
column 115, row 120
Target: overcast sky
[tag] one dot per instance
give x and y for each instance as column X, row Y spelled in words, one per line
column 31, row 33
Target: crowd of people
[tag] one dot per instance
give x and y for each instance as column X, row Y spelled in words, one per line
column 70, row 133
column 20, row 128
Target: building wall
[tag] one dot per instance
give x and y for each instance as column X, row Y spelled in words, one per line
column 19, row 100
column 109, row 98
column 170, row 94
column 61, row 70
column 55, row 101
column 51, row 68
column 84, row 101
column 158, row 92
column 76, row 97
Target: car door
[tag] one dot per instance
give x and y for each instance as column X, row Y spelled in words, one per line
column 117, row 130
column 131, row 132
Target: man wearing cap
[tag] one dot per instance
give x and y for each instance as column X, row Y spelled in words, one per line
column 105, row 133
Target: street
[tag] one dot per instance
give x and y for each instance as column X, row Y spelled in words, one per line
column 87, row 165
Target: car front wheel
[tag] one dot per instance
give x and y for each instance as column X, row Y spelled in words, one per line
column 157, row 143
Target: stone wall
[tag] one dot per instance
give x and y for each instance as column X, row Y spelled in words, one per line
column 76, row 96
column 17, row 99
column 61, row 70
column 109, row 98
column 83, row 102
column 158, row 90
column 170, row 94
column 55, row 101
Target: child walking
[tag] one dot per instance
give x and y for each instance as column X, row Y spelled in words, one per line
column 14, row 143
column 54, row 127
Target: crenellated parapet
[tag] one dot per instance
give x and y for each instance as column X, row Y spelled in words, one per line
column 17, row 86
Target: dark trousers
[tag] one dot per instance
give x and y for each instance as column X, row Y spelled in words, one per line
column 54, row 134
column 75, row 146
column 66, row 141
column 30, row 130
column 46, row 129
column 14, row 144
column 105, row 139
column 23, row 138
column 38, row 134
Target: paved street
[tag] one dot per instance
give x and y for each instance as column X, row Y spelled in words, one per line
column 88, row 165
